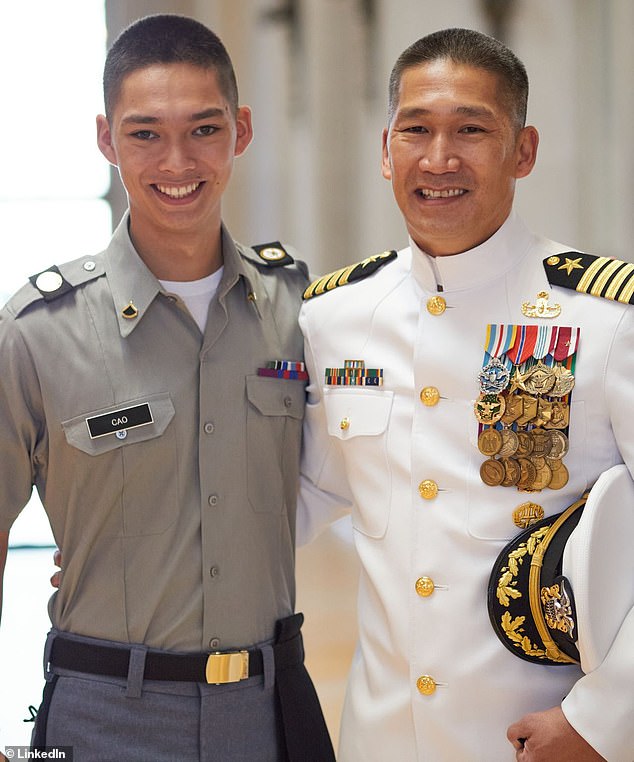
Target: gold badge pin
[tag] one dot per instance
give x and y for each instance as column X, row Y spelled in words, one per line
column 130, row 312
column 526, row 514
column 541, row 308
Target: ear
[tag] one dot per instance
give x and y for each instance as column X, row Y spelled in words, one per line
column 104, row 140
column 244, row 130
column 386, row 168
column 526, row 151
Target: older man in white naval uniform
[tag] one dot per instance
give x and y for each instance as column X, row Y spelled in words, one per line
column 396, row 408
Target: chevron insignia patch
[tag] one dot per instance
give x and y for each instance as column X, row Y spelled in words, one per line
column 590, row 274
column 348, row 274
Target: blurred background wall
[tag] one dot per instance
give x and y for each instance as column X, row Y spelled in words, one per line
column 315, row 73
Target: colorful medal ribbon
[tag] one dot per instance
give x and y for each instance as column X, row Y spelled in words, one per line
column 288, row 369
column 354, row 373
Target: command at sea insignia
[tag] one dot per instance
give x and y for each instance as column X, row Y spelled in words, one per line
column 349, row 274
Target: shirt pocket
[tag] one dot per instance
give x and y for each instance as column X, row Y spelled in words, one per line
column 358, row 419
column 135, row 466
column 274, row 430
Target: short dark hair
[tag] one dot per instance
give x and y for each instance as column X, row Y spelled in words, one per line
column 164, row 39
column 466, row 46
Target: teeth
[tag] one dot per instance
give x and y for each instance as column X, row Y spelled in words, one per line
column 178, row 192
column 442, row 193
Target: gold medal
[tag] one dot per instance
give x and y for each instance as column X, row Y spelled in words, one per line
column 514, row 408
column 544, row 412
column 564, row 382
column 528, row 474
column 492, row 472
column 542, row 478
column 539, row 379
column 511, row 472
column 559, row 444
column 524, row 444
column 509, row 443
column 560, row 416
column 541, row 442
column 560, row 475
column 489, row 442
column 529, row 409
column 489, row 408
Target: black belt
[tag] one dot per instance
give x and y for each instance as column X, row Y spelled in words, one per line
column 303, row 726
column 213, row 668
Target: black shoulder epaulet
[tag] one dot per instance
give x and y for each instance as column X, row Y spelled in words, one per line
column 51, row 283
column 54, row 282
column 348, row 274
column 273, row 254
column 590, row 274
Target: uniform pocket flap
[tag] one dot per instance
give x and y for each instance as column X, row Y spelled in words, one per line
column 121, row 424
column 357, row 413
column 277, row 396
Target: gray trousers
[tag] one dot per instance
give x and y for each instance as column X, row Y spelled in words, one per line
column 108, row 719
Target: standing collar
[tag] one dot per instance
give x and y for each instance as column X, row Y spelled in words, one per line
column 475, row 267
column 134, row 287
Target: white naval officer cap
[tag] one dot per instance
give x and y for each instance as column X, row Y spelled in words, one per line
column 560, row 591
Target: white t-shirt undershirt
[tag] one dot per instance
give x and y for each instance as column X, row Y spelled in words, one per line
column 197, row 294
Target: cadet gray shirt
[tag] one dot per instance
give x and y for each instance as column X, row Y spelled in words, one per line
column 177, row 533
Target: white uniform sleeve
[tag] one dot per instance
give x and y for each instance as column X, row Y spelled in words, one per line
column 600, row 705
column 324, row 494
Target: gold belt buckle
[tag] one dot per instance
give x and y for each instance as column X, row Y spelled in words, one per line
column 229, row 667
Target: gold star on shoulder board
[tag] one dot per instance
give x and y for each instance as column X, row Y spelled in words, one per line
column 571, row 264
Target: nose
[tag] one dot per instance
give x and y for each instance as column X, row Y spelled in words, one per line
column 439, row 155
column 176, row 158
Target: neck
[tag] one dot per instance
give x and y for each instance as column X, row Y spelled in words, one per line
column 179, row 256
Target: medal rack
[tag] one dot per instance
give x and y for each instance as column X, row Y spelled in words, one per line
column 523, row 410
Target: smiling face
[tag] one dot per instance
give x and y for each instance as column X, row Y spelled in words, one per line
column 452, row 154
column 173, row 136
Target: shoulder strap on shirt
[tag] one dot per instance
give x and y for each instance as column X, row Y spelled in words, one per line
column 349, row 274
column 273, row 254
column 591, row 274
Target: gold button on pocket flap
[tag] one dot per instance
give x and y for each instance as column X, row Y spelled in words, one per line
column 354, row 411
column 227, row 668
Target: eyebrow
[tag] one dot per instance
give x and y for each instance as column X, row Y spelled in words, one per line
column 209, row 113
column 475, row 111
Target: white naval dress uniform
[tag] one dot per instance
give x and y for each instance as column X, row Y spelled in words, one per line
column 371, row 447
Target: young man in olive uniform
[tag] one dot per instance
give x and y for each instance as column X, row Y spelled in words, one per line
column 154, row 395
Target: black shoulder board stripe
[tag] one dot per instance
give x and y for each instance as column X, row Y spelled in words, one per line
column 273, row 254
column 348, row 274
column 590, row 274
column 51, row 283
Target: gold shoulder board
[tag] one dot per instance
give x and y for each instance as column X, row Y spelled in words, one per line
column 590, row 274
column 348, row 274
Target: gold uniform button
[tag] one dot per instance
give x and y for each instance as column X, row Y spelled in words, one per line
column 429, row 396
column 428, row 489
column 436, row 305
column 425, row 586
column 345, row 424
column 426, row 685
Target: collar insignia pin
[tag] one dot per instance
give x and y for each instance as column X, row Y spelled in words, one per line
column 129, row 312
